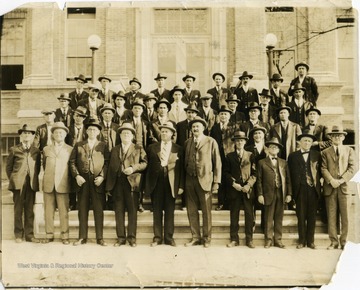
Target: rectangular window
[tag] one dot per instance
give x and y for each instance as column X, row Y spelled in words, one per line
column 80, row 25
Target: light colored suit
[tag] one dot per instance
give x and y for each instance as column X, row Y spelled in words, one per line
column 181, row 115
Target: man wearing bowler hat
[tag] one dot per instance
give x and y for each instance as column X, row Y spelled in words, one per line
column 278, row 96
column 64, row 113
column 164, row 182
column 78, row 94
column 307, row 82
column 240, row 176
column 299, row 106
column 245, row 93
column 93, row 104
column 22, row 169
column 88, row 165
column 57, row 183
column 268, row 111
column 203, row 175
column 304, row 165
column 105, row 93
column 177, row 112
column 43, row 132
column 273, row 186
column 161, row 92
column 219, row 93
column 134, row 94
column 337, row 168
column 190, row 95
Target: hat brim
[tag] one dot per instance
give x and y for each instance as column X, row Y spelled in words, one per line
column 126, row 128
column 257, row 129
column 283, row 108
column 281, row 80
column 107, row 108
column 114, row 96
column 232, row 100
column 94, row 125
column 67, row 99
column 239, row 138
column 20, row 131
column 306, row 135
column 255, row 107
column 302, row 64
column 193, row 110
column 177, row 90
column 132, row 81
column 58, row 127
column 340, row 132
column 161, row 77
column 265, row 95
column 156, row 106
column 273, row 143
column 307, row 112
column 167, row 127
column 218, row 74
column 198, row 121
column 225, row 110
column 188, row 77
column 104, row 78
column 80, row 114
column 138, row 104
column 83, row 80
column 246, row 76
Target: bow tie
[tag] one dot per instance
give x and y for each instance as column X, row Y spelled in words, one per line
column 273, row 158
column 305, row 152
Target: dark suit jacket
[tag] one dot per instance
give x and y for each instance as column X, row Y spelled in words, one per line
column 75, row 98
column 244, row 173
column 70, row 138
column 193, row 97
column 115, row 137
column 16, row 167
column 147, row 137
column 121, row 119
column 238, row 118
column 321, row 134
column 99, row 105
column 107, row 97
column 130, row 98
column 344, row 168
column 41, row 137
column 218, row 98
column 165, row 94
column 247, row 126
column 257, row 155
column 265, row 179
column 310, row 85
column 80, row 159
column 297, row 166
column 272, row 116
column 174, row 168
column 278, row 101
column 208, row 162
column 210, row 118
column 246, row 98
column 68, row 120
column 135, row 157
column 145, row 116
column 182, row 132
column 226, row 145
column 299, row 117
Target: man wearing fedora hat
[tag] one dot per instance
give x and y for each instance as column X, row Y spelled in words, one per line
column 278, row 96
column 177, row 112
column 245, row 93
column 304, row 165
column 203, row 176
column 134, row 94
column 124, row 177
column 22, row 170
column 121, row 113
column 190, row 95
column 273, row 186
column 337, row 168
column 93, row 104
column 207, row 112
column 109, row 129
column 78, row 94
column 43, row 132
column 239, row 177
column 307, row 82
column 164, row 182
column 268, row 111
column 150, row 113
column 219, row 93
column 57, row 183
column 88, row 166
column 162, row 107
column 236, row 116
column 64, row 113
column 105, row 93
column 299, row 106
column 161, row 92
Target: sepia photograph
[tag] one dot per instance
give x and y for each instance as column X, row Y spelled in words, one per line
column 180, row 144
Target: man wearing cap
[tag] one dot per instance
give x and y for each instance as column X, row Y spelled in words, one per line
column 127, row 163
column 78, row 94
column 57, row 183
column 93, row 104
column 337, row 168
column 219, row 93
column 236, row 116
column 105, row 93
column 245, row 93
column 268, row 111
column 121, row 113
column 177, row 112
column 190, row 95
column 161, row 92
column 150, row 113
column 285, row 131
column 88, row 165
column 203, row 175
column 164, row 182
column 134, row 93
column 278, row 96
column 299, row 106
column 207, row 112
column 22, row 170
column 304, row 166
column 222, row 132
column 239, row 177
column 43, row 132
column 162, row 107
column 306, row 82
column 64, row 113
column 273, row 190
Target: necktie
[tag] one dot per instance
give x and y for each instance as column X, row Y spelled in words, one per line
column 77, row 131
column 196, row 144
column 163, row 155
column 305, row 152
column 337, row 151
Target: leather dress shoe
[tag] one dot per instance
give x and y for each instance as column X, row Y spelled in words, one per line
column 268, row 244
column 311, row 246
column 141, row 208
column 132, row 244
column 101, row 242
column 300, row 246
column 193, row 243
column 206, row 244
column 333, row 246
column 46, row 241
column 33, row 240
column 155, row 243
column 171, row 243
column 65, row 242
column 232, row 244
column 119, row 243
column 219, row 207
column 342, row 247
column 250, row 244
column 80, row 242
column 279, row 245
column 18, row 240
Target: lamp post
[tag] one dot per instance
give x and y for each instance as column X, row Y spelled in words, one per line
column 94, row 42
column 270, row 42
